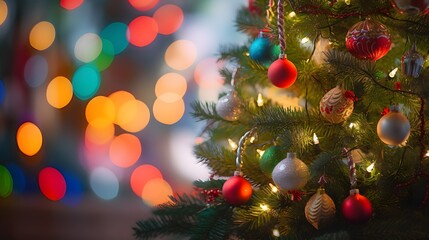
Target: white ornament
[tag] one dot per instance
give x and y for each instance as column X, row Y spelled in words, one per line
column 291, row 173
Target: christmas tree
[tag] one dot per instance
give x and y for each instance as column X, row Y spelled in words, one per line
column 344, row 157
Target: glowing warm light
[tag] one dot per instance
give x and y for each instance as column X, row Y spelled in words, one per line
column 276, row 233
column 143, row 5
column 427, row 153
column 274, row 189
column 86, row 82
column 3, row 11
column 42, row 35
column 392, row 73
column 119, row 98
column 370, row 167
column 264, row 207
column 104, row 183
column 133, row 116
column 88, row 47
column 206, row 73
column 292, row 14
column 168, row 108
column 157, row 191
column 59, row 92
column 142, row 31
column 260, row 101
column 116, row 34
column 36, row 71
column 6, row 182
column 181, row 54
column 260, row 152
column 352, row 125
column 232, row 144
column 70, row 4
column 252, row 139
column 142, row 175
column 171, row 83
column 100, row 107
column 52, row 184
column 169, row 18
column 315, row 139
column 29, row 138
column 305, row 40
column 347, row 2
column 100, row 131
column 125, row 150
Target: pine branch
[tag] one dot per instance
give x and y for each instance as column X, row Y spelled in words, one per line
column 248, row 23
column 205, row 111
column 219, row 159
column 214, row 223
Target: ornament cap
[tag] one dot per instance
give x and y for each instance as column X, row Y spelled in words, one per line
column 291, row 155
column 321, row 190
column 282, row 56
column 394, row 108
column 354, row 191
column 238, row 173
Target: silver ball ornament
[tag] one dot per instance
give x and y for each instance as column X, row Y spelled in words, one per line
column 393, row 128
column 291, row 173
column 229, row 106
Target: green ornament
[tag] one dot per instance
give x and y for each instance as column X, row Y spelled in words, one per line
column 271, row 157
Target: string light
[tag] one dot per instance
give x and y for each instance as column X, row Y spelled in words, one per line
column 232, row 144
column 252, row 139
column 393, row 72
column 260, row 101
column 260, row 152
column 370, row 167
column 274, row 189
column 247, row 54
column 353, row 125
column 292, row 14
column 315, row 139
column 305, row 40
column 264, row 207
column 276, row 232
column 347, row 2
column 427, row 153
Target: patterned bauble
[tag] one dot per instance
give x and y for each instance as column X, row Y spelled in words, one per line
column 261, row 49
column 271, row 157
column 291, row 173
column 320, row 209
column 411, row 7
column 412, row 63
column 356, row 208
column 393, row 128
column 282, row 73
column 336, row 106
column 368, row 39
column 229, row 106
column 237, row 190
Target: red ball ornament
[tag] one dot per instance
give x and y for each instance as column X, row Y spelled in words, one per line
column 368, row 40
column 237, row 190
column 356, row 208
column 282, row 73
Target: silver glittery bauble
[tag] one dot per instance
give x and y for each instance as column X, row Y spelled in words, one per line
column 229, row 106
column 335, row 106
column 412, row 63
column 291, row 173
column 393, row 128
column 320, row 209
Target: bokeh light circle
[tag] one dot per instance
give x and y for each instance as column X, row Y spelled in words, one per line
column 169, row 18
column 88, row 47
column 42, row 35
column 142, row 31
column 133, row 116
column 125, row 150
column 52, row 183
column 168, row 108
column 171, row 83
column 70, row 4
column 18, row 177
column 3, row 11
column 104, row 183
column 59, row 92
column 86, row 82
column 6, row 182
column 74, row 191
column 2, row 92
column 119, row 98
column 36, row 71
column 157, row 191
column 106, row 56
column 29, row 138
column 206, row 73
column 99, row 131
column 141, row 175
column 143, row 5
column 181, row 54
column 116, row 34
column 100, row 107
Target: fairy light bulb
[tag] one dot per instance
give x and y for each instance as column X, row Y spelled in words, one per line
column 392, row 73
column 264, row 207
column 276, row 232
column 260, row 152
column 305, row 40
column 274, row 189
column 353, row 125
column 260, row 101
column 292, row 14
column 315, row 139
column 427, row 153
column 232, row 144
column 370, row 167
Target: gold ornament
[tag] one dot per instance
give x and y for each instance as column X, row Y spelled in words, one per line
column 335, row 106
column 320, row 209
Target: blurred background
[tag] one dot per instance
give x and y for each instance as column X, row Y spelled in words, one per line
column 95, row 125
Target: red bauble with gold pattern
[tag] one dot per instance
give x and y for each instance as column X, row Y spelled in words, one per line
column 237, row 190
column 357, row 208
column 368, row 39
